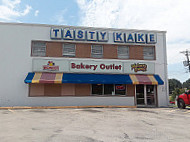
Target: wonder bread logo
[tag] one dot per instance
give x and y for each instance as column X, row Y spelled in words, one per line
column 139, row 67
column 51, row 66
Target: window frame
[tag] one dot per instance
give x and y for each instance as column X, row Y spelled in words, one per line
column 124, row 56
column 33, row 47
column 145, row 57
column 95, row 53
column 68, row 54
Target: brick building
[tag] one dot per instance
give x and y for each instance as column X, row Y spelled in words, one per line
column 82, row 66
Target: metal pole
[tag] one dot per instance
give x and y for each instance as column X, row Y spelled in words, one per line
column 187, row 55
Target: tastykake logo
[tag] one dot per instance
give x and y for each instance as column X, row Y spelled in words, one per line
column 139, row 67
column 51, row 66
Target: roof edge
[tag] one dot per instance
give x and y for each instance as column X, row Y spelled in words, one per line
column 82, row 27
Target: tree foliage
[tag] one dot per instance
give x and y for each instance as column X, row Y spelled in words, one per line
column 177, row 88
column 186, row 84
column 176, row 92
column 173, row 84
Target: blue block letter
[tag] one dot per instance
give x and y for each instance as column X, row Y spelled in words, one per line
column 91, row 35
column 55, row 32
column 130, row 38
column 80, row 34
column 68, row 34
column 140, row 37
column 103, row 35
column 118, row 36
column 152, row 39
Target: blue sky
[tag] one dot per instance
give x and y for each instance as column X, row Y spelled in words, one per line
column 43, row 11
column 172, row 16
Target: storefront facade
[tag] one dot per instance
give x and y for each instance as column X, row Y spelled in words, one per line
column 82, row 66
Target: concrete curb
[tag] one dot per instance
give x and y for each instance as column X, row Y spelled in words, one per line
column 63, row 107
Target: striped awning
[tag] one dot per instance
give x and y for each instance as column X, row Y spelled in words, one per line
column 146, row 79
column 44, row 78
column 93, row 78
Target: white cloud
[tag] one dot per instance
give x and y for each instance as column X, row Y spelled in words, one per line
column 170, row 15
column 60, row 17
column 9, row 10
column 99, row 13
column 10, row 3
column 36, row 13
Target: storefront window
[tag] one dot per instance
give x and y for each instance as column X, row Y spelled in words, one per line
column 97, row 89
column 108, row 89
column 120, row 89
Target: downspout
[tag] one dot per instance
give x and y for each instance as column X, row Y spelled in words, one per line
column 165, row 68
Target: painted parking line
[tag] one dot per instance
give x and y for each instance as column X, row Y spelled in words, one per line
column 188, row 111
column 172, row 110
column 11, row 110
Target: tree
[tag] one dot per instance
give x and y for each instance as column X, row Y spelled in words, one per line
column 173, row 84
column 186, row 84
column 176, row 92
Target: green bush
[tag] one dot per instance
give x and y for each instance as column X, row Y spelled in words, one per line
column 176, row 92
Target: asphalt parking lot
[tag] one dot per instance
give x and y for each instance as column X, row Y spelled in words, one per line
column 95, row 125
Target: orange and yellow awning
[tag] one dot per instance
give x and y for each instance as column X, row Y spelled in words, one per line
column 44, row 77
column 144, row 79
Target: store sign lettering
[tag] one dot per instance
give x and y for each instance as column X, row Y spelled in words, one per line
column 149, row 38
column 79, row 34
column 102, row 36
column 82, row 66
column 139, row 67
column 51, row 66
column 94, row 67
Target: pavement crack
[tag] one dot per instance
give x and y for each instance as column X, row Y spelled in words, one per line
column 126, row 136
column 147, row 123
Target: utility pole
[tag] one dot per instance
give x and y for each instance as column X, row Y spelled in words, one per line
column 186, row 63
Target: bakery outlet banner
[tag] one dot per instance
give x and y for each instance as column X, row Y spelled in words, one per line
column 92, row 66
column 96, row 67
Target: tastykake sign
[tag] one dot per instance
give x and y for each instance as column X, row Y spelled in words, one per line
column 102, row 36
column 92, row 66
column 139, row 67
column 51, row 66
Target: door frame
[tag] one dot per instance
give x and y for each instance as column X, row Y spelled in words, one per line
column 145, row 96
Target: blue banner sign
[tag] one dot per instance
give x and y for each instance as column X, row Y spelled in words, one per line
column 102, row 36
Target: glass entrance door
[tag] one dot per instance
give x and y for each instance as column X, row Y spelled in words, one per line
column 150, row 95
column 140, row 95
